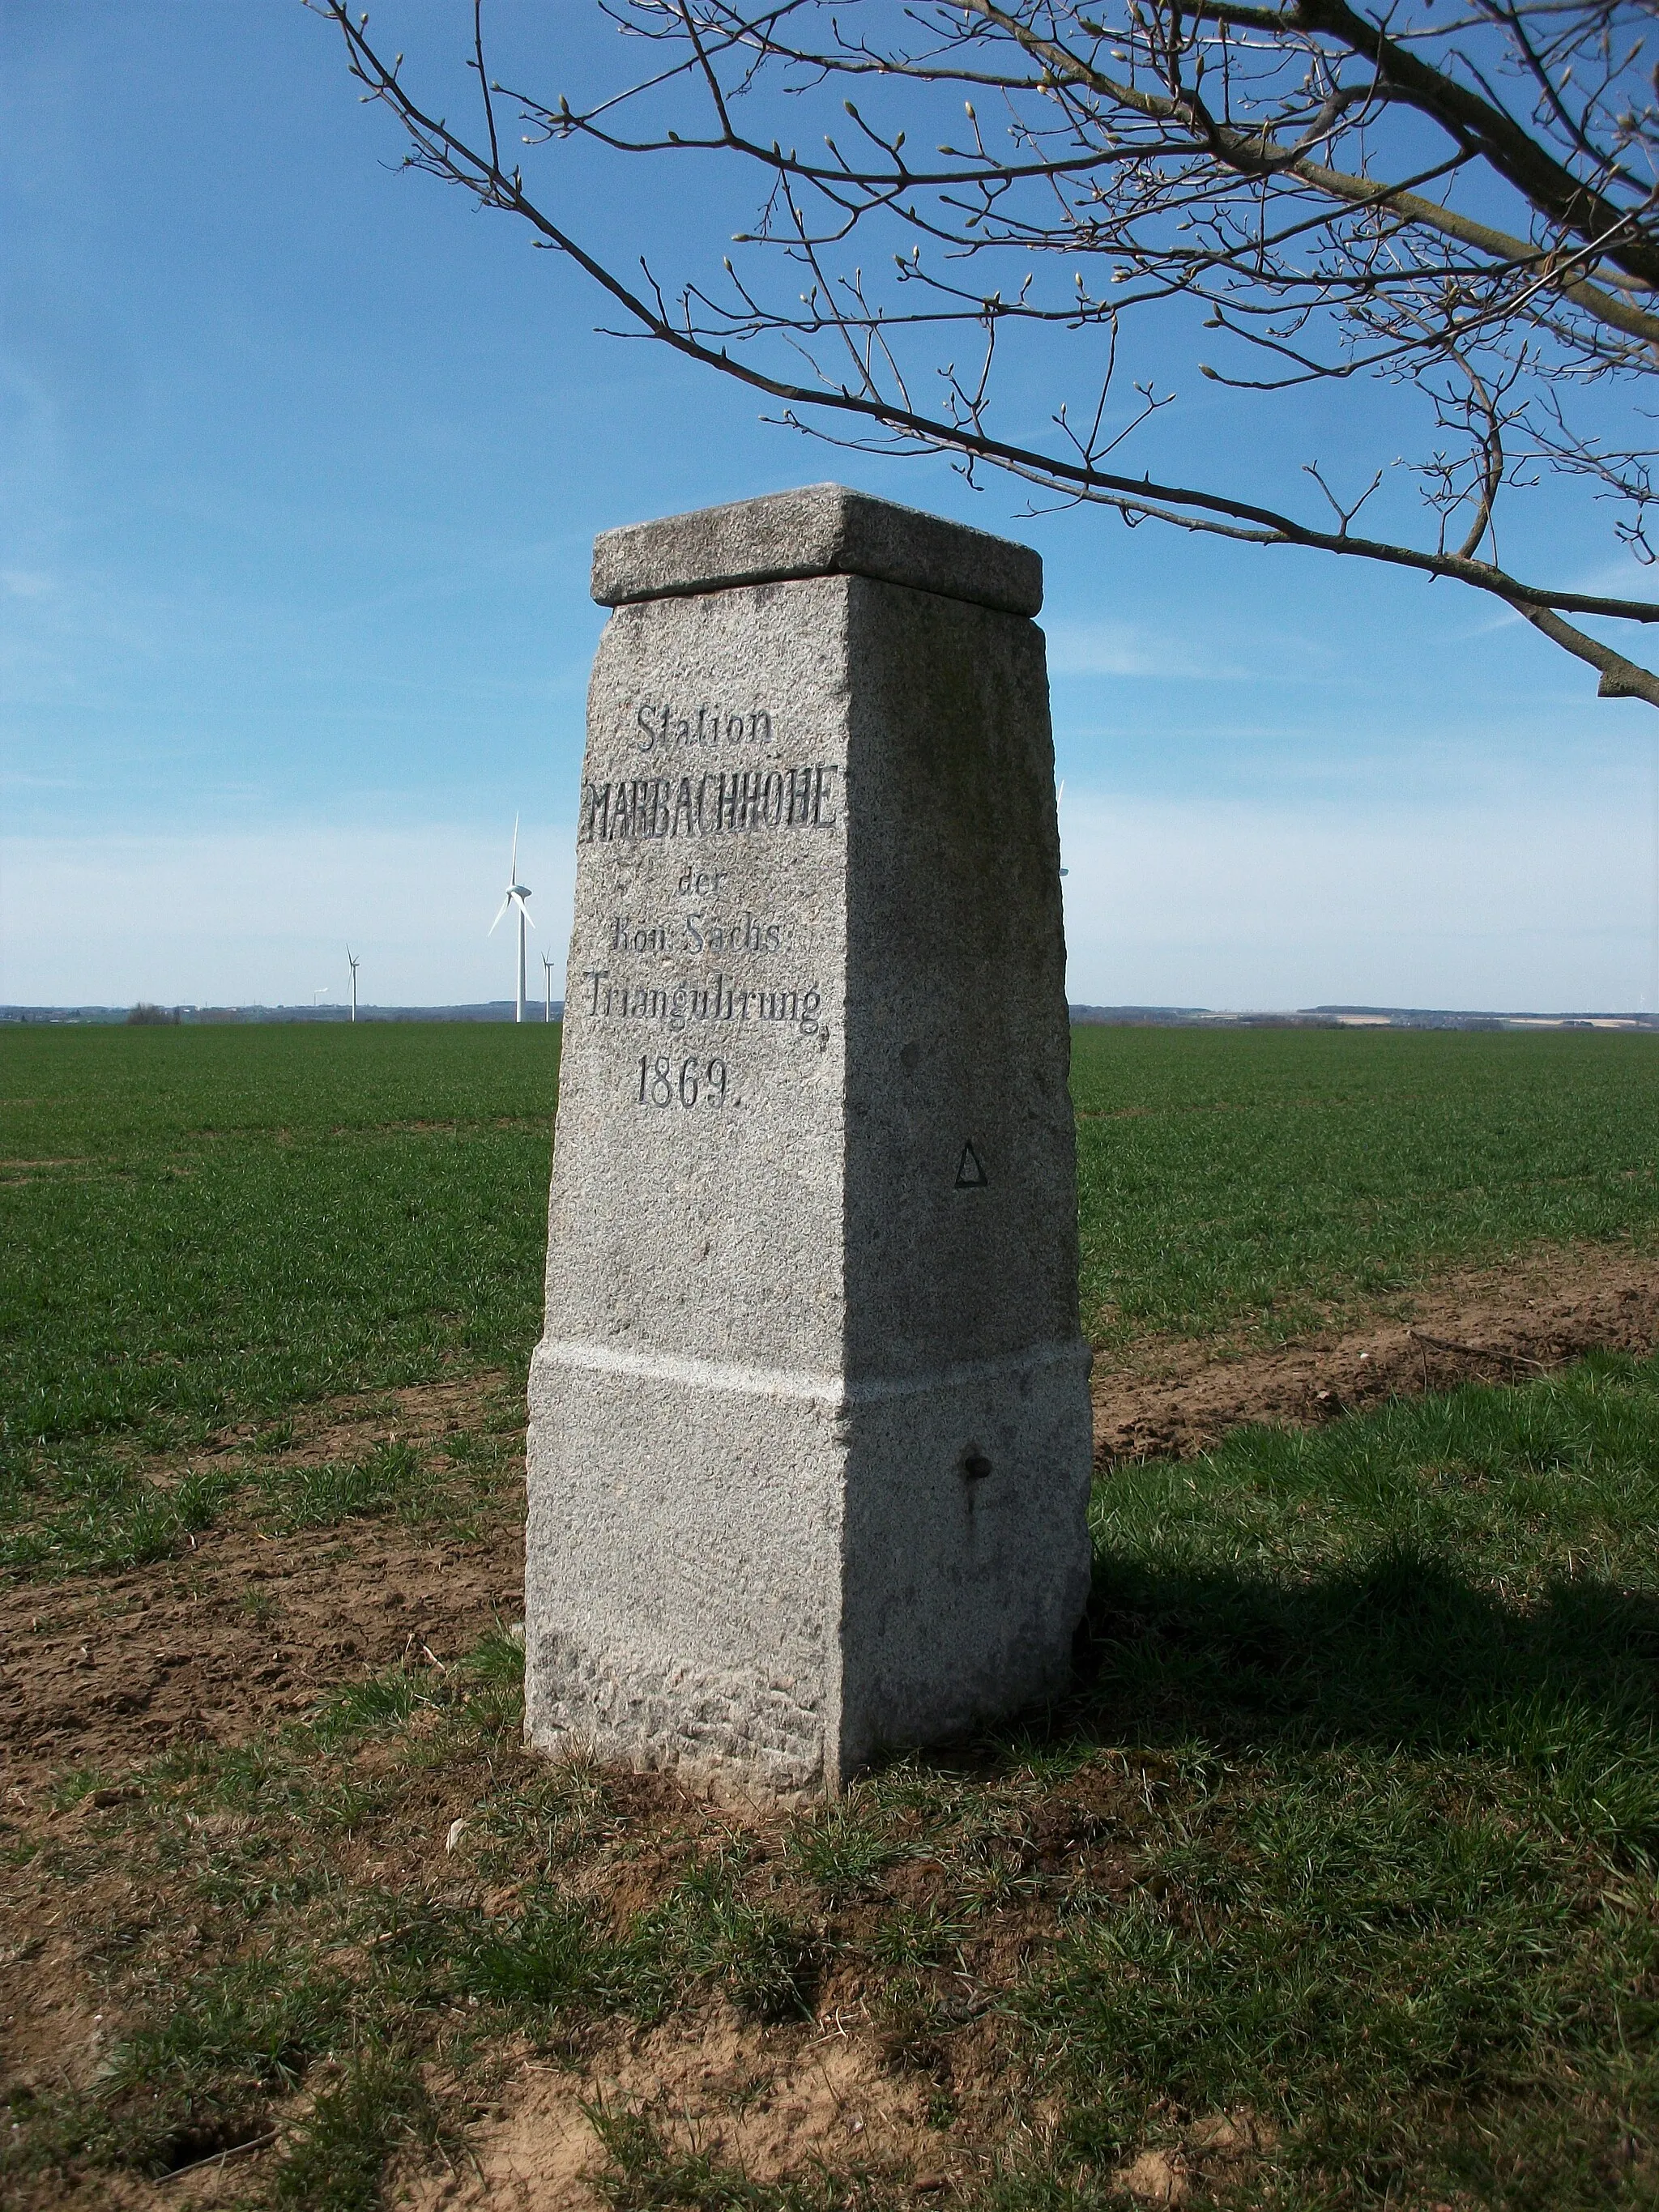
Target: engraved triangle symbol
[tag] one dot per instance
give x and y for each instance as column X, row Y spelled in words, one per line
column 970, row 1176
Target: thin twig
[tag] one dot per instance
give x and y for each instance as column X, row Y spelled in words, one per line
column 1477, row 1351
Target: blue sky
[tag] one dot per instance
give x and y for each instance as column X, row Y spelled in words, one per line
column 302, row 460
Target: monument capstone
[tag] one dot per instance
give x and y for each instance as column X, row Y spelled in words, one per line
column 809, row 1427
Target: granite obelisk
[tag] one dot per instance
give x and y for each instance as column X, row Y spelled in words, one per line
column 809, row 1435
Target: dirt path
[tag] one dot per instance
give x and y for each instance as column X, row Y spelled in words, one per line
column 1495, row 1326
column 245, row 1629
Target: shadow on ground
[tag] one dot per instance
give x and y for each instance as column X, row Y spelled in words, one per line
column 1399, row 1655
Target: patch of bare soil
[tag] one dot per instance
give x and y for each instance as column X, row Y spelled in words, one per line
column 1500, row 1325
column 346, row 1426
column 245, row 1629
column 774, row 2102
column 242, row 1634
column 1217, row 2152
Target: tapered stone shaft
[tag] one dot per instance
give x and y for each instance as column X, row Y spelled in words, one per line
column 810, row 1433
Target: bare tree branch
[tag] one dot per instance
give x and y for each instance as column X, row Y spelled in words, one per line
column 1467, row 207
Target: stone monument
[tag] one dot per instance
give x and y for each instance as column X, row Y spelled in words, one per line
column 810, row 1438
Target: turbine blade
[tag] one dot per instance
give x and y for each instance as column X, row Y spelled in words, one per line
column 495, row 925
column 513, row 872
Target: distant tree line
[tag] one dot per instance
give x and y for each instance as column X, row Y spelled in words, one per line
column 143, row 1012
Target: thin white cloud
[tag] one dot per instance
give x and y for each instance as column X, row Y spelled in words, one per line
column 26, row 583
column 1123, row 648
column 1622, row 577
column 1243, row 904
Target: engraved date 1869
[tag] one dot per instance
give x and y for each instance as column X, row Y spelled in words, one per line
column 660, row 1085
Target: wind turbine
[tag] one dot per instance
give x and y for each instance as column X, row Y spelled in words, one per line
column 352, row 958
column 516, row 893
column 547, row 976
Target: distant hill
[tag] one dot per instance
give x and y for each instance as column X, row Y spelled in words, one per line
column 493, row 1010
column 1339, row 1017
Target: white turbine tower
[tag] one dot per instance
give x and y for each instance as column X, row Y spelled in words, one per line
column 516, row 893
column 352, row 958
column 547, row 978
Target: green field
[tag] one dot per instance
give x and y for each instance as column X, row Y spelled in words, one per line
column 1258, row 1177
column 242, row 1221
column 248, row 1217
column 1347, row 1842
column 202, row 1225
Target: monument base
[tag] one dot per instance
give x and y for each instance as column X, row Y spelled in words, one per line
column 680, row 1594
column 814, row 1574
column 965, row 1579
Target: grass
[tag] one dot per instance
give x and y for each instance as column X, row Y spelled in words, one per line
column 1253, row 1179
column 336, row 2158
column 1353, row 1829
column 250, row 1219
column 1348, row 1841
column 392, row 1478
column 84, row 1509
column 1404, row 1671
column 93, row 1509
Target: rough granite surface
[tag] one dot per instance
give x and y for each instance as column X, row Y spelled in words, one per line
column 810, row 1432
column 822, row 530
